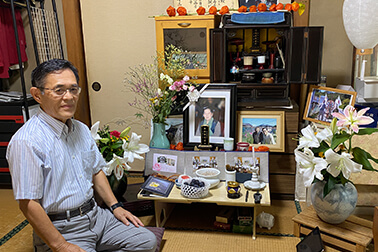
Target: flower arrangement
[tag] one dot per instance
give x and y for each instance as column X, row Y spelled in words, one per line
column 160, row 94
column 118, row 149
column 328, row 155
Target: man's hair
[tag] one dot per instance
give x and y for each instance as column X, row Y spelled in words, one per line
column 40, row 73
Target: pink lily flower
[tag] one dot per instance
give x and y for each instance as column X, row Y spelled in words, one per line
column 350, row 117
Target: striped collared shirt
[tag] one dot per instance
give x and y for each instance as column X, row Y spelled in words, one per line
column 53, row 162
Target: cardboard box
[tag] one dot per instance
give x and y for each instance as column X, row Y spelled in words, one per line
column 225, row 215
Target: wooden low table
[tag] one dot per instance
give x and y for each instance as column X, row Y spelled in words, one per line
column 354, row 234
column 218, row 195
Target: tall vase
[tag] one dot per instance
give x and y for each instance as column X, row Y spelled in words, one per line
column 338, row 205
column 159, row 137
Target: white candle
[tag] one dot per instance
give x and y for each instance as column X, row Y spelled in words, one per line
column 253, row 156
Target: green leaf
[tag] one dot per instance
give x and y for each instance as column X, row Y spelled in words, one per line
column 116, row 145
column 104, row 140
column 329, row 185
column 366, row 131
column 339, row 138
column 103, row 149
column 362, row 157
column 322, row 148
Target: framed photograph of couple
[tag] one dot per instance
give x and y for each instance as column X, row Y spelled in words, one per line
column 216, row 107
column 262, row 128
column 323, row 101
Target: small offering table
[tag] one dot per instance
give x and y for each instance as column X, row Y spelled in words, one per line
column 218, row 195
column 354, row 234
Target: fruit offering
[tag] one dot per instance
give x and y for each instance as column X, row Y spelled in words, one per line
column 280, row 6
column 201, row 11
column 242, row 8
column 261, row 7
column 252, row 8
column 213, row 10
column 195, row 183
column 224, row 10
column 171, row 11
column 181, row 11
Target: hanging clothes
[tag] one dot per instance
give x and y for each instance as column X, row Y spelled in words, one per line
column 8, row 47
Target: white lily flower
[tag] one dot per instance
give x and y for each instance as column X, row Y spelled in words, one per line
column 309, row 165
column 308, row 139
column 341, row 163
column 117, row 165
column 325, row 135
column 133, row 148
column 94, row 130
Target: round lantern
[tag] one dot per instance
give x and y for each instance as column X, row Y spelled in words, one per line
column 360, row 22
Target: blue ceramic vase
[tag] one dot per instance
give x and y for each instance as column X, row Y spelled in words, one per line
column 159, row 137
column 339, row 203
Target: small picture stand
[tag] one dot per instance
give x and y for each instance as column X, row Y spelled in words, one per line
column 157, row 186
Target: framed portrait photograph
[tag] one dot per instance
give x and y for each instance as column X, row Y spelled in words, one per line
column 323, row 101
column 262, row 128
column 216, row 108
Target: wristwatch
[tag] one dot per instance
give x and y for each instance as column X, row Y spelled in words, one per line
column 116, row 205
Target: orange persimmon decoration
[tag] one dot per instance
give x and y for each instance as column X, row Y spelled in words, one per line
column 213, row 10
column 242, row 8
column 180, row 146
column 272, row 7
column 224, row 10
column 262, row 148
column 201, row 11
column 295, row 6
column 171, row 11
column 279, row 6
column 261, row 7
column 172, row 146
column 252, row 8
column 181, row 11
column 288, row 7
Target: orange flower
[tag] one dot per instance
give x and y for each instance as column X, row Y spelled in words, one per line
column 224, row 10
column 272, row 7
column 288, row 7
column 242, row 8
column 252, row 8
column 279, row 6
column 201, row 11
column 181, row 11
column 261, row 7
column 213, row 10
column 295, row 6
column 171, row 11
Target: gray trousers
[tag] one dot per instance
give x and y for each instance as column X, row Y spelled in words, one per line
column 99, row 230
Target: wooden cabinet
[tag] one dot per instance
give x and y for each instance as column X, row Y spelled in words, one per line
column 191, row 34
column 267, row 58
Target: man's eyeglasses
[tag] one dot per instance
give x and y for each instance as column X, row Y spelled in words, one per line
column 62, row 91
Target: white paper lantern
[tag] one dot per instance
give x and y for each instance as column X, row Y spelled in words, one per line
column 361, row 22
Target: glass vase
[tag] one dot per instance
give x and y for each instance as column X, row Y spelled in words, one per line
column 339, row 203
column 159, row 138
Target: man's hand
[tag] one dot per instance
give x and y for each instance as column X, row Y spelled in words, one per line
column 125, row 216
column 68, row 247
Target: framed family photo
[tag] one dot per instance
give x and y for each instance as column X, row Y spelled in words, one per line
column 262, row 128
column 323, row 101
column 216, row 107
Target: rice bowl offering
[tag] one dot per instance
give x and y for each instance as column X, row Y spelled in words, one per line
column 210, row 174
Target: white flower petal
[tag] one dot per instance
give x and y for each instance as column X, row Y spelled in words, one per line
column 308, row 139
column 94, row 130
